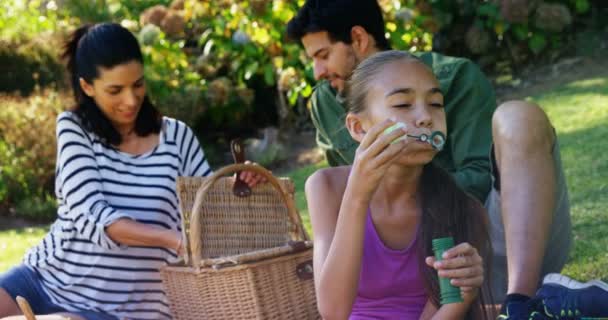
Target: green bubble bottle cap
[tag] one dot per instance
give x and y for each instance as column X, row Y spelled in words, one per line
column 448, row 292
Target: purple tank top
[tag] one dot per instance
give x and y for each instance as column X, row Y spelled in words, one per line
column 390, row 284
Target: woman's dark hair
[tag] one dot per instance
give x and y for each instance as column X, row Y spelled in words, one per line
column 447, row 211
column 338, row 17
column 104, row 45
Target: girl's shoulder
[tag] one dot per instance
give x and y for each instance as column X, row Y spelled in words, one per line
column 328, row 181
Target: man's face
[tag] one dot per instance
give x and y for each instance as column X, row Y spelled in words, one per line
column 333, row 61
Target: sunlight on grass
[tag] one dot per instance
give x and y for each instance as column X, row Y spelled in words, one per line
column 15, row 242
column 577, row 105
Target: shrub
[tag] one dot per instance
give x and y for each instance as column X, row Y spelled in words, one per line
column 23, row 66
column 518, row 30
column 28, row 150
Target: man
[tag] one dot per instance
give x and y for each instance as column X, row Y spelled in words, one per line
column 506, row 156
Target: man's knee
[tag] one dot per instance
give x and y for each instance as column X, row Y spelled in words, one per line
column 523, row 125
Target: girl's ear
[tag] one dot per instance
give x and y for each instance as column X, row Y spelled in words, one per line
column 86, row 87
column 355, row 126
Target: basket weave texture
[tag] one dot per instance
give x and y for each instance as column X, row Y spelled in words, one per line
column 240, row 261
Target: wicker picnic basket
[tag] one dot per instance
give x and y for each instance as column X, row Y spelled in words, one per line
column 246, row 257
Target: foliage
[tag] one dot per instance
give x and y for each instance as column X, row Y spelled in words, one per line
column 28, row 46
column 27, row 151
column 22, row 20
column 175, row 89
column 517, row 30
column 240, row 47
column 28, row 65
column 92, row 11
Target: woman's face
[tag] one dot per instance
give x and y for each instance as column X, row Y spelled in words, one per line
column 119, row 92
column 407, row 92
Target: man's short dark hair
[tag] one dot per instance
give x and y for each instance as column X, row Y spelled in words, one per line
column 338, row 17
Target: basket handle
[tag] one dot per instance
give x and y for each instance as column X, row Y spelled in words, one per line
column 297, row 233
column 25, row 308
column 240, row 188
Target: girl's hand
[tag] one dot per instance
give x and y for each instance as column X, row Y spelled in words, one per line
column 464, row 266
column 252, row 178
column 374, row 155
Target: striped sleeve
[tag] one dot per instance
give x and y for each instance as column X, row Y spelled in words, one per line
column 194, row 162
column 80, row 184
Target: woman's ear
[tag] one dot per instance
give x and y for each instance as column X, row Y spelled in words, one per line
column 354, row 124
column 86, row 87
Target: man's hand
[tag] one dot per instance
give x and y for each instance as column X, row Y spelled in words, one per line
column 251, row 178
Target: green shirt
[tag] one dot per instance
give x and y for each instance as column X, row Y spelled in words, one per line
column 469, row 105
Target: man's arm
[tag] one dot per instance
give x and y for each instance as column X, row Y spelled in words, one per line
column 470, row 103
column 327, row 115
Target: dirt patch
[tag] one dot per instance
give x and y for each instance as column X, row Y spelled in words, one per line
column 535, row 79
column 7, row 223
column 301, row 150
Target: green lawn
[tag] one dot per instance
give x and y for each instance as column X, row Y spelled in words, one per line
column 579, row 111
column 14, row 243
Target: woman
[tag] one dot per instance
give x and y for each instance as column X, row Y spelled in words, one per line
column 374, row 221
column 118, row 219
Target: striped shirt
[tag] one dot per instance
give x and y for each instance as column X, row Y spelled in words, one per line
column 79, row 265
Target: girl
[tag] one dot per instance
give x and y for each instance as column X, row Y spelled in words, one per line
column 374, row 221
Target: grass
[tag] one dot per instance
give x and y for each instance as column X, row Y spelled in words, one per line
column 15, row 242
column 579, row 112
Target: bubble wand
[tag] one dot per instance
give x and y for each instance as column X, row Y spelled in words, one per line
column 436, row 139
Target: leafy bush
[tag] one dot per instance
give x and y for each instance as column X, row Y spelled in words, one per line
column 28, row 151
column 28, row 45
column 23, row 20
column 23, row 66
column 93, row 11
column 512, row 30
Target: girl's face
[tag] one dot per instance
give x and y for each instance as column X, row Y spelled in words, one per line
column 407, row 92
column 119, row 92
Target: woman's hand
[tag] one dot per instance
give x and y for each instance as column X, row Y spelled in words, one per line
column 374, row 155
column 464, row 266
column 177, row 243
column 252, row 178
